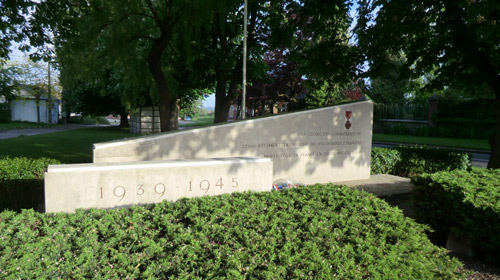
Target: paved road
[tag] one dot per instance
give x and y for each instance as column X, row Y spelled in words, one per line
column 12, row 133
column 479, row 158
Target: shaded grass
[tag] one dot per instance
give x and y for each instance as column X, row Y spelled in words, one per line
column 22, row 125
column 475, row 144
column 72, row 146
column 200, row 122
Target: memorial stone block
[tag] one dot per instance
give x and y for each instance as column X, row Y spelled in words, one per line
column 323, row 145
column 111, row 185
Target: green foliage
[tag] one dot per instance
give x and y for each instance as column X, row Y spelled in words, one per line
column 472, row 108
column 191, row 109
column 458, row 128
column 4, row 113
column 102, row 96
column 21, row 182
column 12, row 18
column 88, row 120
column 326, row 95
column 389, row 85
column 456, row 40
column 316, row 34
column 465, row 128
column 465, row 202
column 321, row 232
column 408, row 161
column 401, row 111
column 8, row 76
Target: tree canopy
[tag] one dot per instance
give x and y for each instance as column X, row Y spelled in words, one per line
column 457, row 40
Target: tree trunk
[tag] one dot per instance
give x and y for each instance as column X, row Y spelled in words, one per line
column 494, row 161
column 68, row 115
column 222, row 102
column 124, row 119
column 174, row 114
column 168, row 106
column 38, row 108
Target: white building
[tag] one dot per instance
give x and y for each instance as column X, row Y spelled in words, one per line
column 24, row 106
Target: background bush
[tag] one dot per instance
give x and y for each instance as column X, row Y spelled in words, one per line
column 474, row 108
column 467, row 203
column 4, row 112
column 407, row 161
column 320, row 232
column 463, row 128
column 456, row 118
column 21, row 182
column 466, row 128
column 88, row 120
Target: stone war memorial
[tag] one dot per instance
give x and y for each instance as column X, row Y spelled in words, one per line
column 331, row 144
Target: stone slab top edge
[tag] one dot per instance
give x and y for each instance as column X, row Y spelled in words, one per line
column 153, row 164
column 177, row 132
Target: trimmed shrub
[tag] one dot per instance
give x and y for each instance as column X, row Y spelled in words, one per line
column 21, row 182
column 408, row 161
column 466, row 202
column 320, row 232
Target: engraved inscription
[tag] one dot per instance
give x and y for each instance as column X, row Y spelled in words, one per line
column 314, row 140
column 160, row 189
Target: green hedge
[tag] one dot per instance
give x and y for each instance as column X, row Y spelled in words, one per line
column 476, row 108
column 408, row 161
column 21, row 182
column 463, row 128
column 467, row 202
column 320, row 232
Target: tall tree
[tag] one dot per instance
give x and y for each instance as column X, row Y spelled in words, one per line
column 316, row 35
column 149, row 41
column 223, row 51
column 100, row 97
column 8, row 75
column 287, row 82
column 387, row 85
column 458, row 38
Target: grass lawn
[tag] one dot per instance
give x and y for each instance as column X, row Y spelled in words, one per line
column 476, row 144
column 72, row 146
column 20, row 125
column 199, row 122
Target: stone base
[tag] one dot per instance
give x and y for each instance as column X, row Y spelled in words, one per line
column 111, row 185
column 382, row 185
column 459, row 245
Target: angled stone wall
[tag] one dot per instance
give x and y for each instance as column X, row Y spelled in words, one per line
column 323, row 145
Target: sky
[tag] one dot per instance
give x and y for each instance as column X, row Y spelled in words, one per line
column 209, row 102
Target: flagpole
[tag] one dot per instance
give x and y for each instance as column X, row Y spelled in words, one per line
column 243, row 97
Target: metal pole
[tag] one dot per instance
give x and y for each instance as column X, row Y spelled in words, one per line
column 244, row 95
column 49, row 97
